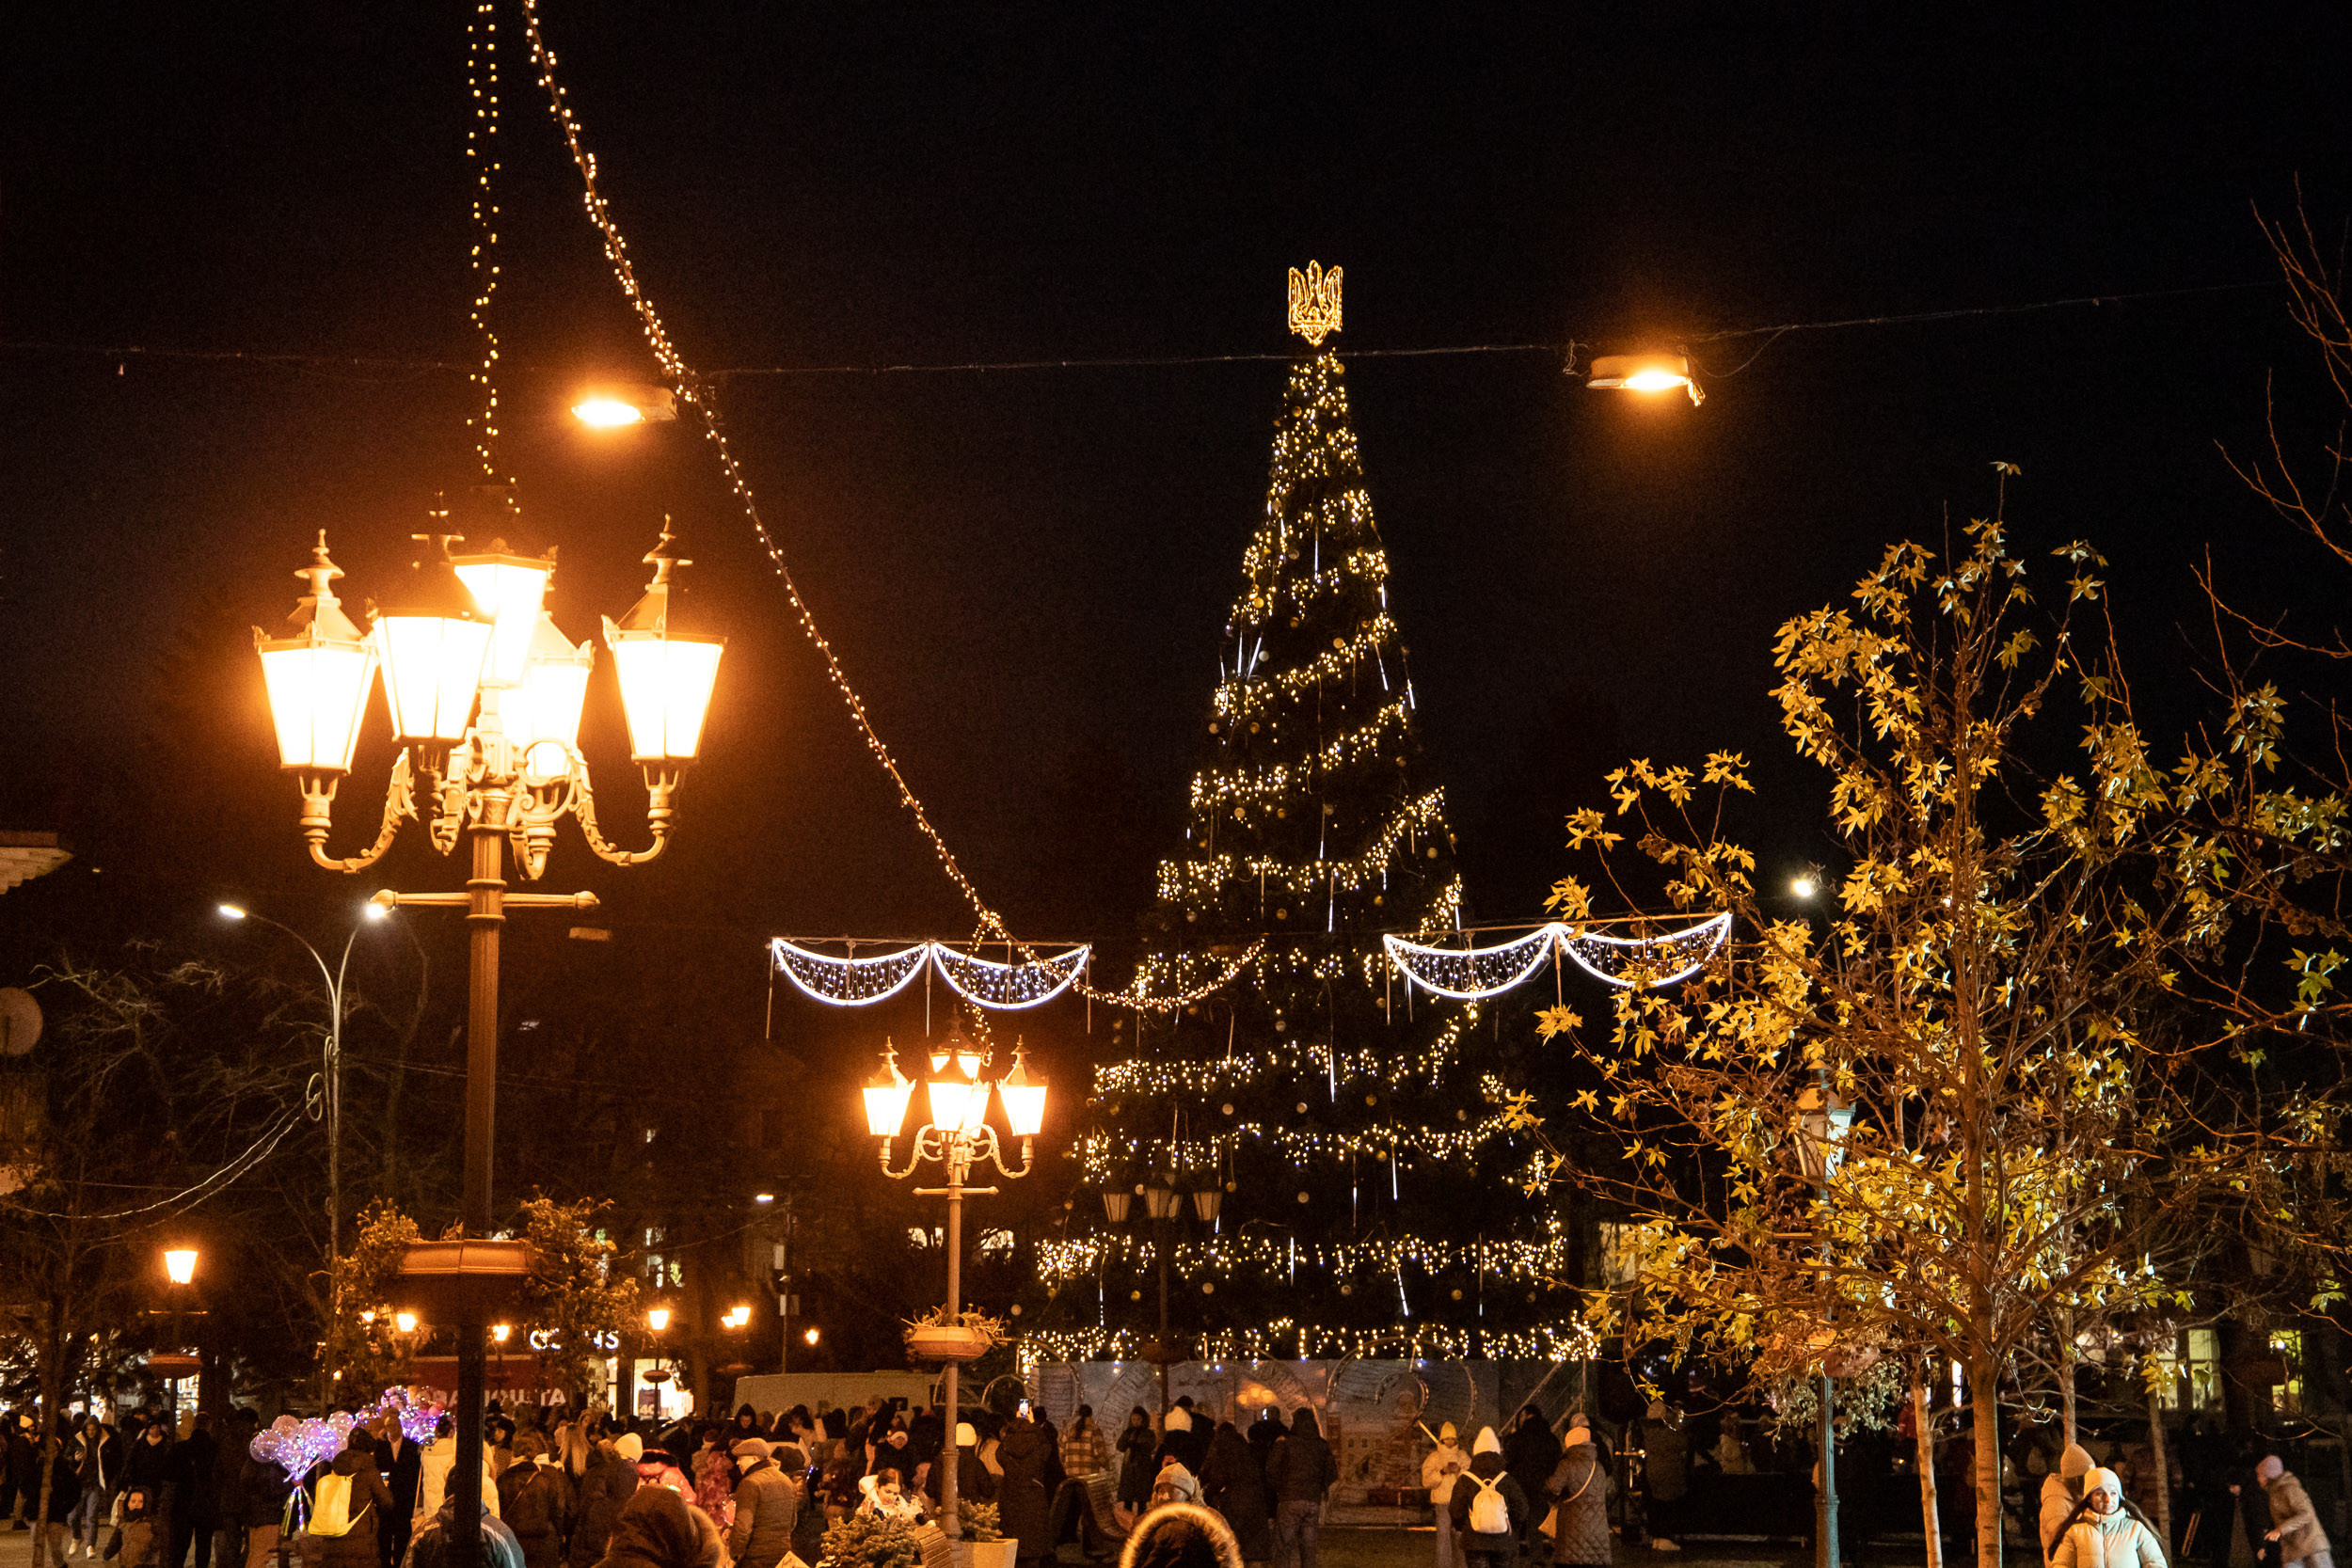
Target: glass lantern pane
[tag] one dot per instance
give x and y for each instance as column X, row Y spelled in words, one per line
column 318, row 693
column 432, row 667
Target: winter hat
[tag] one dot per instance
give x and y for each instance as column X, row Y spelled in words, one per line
column 1180, row 1535
column 1578, row 1422
column 630, row 1446
column 750, row 1448
column 1179, row 1419
column 2102, row 1480
column 2270, row 1469
column 1447, row 1435
column 966, row 1436
column 2075, row 1463
column 1488, row 1442
column 1578, row 1437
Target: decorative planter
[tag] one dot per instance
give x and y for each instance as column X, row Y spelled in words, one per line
column 947, row 1343
column 985, row 1554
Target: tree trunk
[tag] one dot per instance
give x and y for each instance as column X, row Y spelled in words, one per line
column 2164, row 1472
column 2066, row 1374
column 1923, row 1421
column 1984, row 1397
column 53, row 1379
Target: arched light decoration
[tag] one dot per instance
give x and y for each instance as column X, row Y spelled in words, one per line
column 1023, row 1099
column 1643, row 373
column 610, row 404
column 317, row 675
column 666, row 669
column 433, row 648
column 887, row 1096
column 509, row 589
column 555, row 686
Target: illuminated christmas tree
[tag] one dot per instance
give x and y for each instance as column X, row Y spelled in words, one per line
column 1371, row 1203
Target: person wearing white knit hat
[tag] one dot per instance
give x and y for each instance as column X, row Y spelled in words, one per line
column 1438, row 1472
column 2105, row 1531
column 1489, row 1507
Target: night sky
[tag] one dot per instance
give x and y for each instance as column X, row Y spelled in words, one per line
column 1026, row 572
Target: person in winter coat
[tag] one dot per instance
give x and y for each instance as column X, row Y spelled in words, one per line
column 2293, row 1523
column 1531, row 1453
column 1299, row 1473
column 97, row 1463
column 431, row 1547
column 402, row 1466
column 1185, row 1439
column 767, row 1507
column 65, row 1498
column 1181, row 1535
column 2061, row 1493
column 433, row 1463
column 266, row 1489
column 361, row 1545
column 1486, row 1474
column 1084, row 1449
column 1666, row 1473
column 2103, row 1533
column 1580, row 1486
column 232, row 1468
column 1023, row 1452
column 1234, row 1483
column 605, row 1489
column 149, row 1469
column 1137, row 1444
column 536, row 1502
column 1445, row 1462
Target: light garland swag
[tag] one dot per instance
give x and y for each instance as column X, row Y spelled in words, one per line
column 855, row 982
column 1469, row 975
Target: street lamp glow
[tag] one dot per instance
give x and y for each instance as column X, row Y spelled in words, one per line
column 433, row 650
column 666, row 669
column 509, row 589
column 618, row 404
column 318, row 675
column 771, row 1197
column 232, row 911
column 499, row 1331
column 1643, row 373
column 607, row 412
column 657, row 1318
column 1804, row 887
column 810, row 1335
column 375, row 910
column 404, row 1322
column 887, row 1096
column 180, row 1265
column 1023, row 1099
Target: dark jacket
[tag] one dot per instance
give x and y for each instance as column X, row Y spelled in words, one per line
column 65, row 1489
column 534, row 1503
column 1023, row 1453
column 655, row 1529
column 1580, row 1484
column 605, row 1489
column 1488, row 1467
column 100, row 1459
column 403, row 1475
column 371, row 1513
column 193, row 1461
column 1529, row 1453
column 767, row 1507
column 1137, row 1444
column 148, row 1466
column 1301, row 1468
column 1233, row 1483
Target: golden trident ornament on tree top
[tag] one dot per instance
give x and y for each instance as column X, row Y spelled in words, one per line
column 1315, row 302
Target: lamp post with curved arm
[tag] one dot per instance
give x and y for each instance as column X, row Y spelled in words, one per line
column 331, row 1109
column 958, row 1136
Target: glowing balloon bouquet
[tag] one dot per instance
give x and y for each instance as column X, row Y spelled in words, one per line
column 299, row 1447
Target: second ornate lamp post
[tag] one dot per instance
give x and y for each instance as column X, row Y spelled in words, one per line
column 1822, row 1121
column 1164, row 1195
column 485, row 697
column 958, row 1136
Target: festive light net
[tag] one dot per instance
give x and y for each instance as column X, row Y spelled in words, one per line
column 850, row 981
column 1472, row 974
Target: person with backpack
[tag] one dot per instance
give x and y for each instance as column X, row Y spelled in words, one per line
column 1488, row 1506
column 1299, row 1473
column 2105, row 1531
column 349, row 1506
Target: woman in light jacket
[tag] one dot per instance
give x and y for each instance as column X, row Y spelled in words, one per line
column 2105, row 1531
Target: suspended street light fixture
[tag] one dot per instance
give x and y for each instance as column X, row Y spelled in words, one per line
column 1643, row 373
column 610, row 405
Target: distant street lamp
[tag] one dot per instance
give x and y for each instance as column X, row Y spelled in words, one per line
column 485, row 697
column 1822, row 1122
column 1643, row 373
column 330, row 1082
column 958, row 1136
column 1164, row 1196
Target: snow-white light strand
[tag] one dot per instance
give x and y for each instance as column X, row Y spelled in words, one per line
column 854, row 982
column 1472, row 974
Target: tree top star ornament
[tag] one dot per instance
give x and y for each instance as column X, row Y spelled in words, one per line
column 1315, row 302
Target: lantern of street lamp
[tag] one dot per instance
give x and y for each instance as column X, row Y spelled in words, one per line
column 501, row 1332
column 1207, row 1199
column 1822, row 1122
column 404, row 1322
column 509, row 589
column 432, row 647
column 657, row 1318
column 1162, row 1200
column 666, row 668
column 887, row 1096
column 810, row 1335
column 959, row 1102
column 318, row 676
column 180, row 1265
column 1117, row 1201
column 546, row 710
column 968, row 1057
column 1023, row 1099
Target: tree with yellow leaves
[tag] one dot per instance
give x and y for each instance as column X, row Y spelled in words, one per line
column 1962, row 1107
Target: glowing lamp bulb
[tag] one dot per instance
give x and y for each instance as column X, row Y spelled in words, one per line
column 602, row 413
column 887, row 1096
column 1804, row 887
column 657, row 1318
column 810, row 1337
column 1655, row 381
column 499, row 1332
column 232, row 911
column 404, row 1322
column 1023, row 1098
column 180, row 1265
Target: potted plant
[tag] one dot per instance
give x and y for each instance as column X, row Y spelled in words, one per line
column 983, row 1544
column 966, row 1337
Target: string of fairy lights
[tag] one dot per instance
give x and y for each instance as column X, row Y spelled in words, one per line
column 1540, row 1259
column 1283, row 1338
column 482, row 85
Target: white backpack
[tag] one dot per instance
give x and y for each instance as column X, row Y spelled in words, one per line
column 1488, row 1514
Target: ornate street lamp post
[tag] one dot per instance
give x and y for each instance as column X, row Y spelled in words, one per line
column 485, row 697
column 958, row 1136
column 1164, row 1196
column 1822, row 1119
